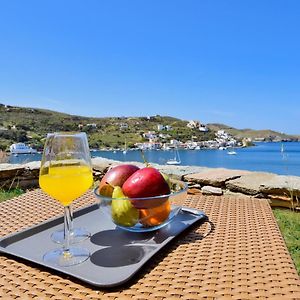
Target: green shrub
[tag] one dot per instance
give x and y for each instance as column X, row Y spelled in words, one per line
column 289, row 224
column 5, row 195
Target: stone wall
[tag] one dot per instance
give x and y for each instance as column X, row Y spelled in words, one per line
column 24, row 176
column 281, row 190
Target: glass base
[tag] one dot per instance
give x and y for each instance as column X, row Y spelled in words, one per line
column 77, row 235
column 62, row 258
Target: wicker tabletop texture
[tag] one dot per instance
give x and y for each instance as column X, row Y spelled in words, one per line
column 243, row 257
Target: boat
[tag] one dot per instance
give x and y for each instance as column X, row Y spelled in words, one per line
column 232, row 152
column 21, row 148
column 176, row 160
column 125, row 148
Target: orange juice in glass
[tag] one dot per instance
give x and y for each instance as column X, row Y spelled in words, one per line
column 65, row 175
column 75, row 180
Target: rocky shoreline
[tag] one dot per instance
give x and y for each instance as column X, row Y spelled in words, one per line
column 282, row 191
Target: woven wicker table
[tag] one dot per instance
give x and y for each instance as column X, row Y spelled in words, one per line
column 244, row 257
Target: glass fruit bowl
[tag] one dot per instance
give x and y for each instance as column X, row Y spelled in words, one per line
column 143, row 214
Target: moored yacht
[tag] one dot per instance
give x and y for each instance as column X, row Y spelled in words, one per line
column 231, row 152
column 176, row 160
column 21, row 148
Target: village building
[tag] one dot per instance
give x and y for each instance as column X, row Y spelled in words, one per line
column 150, row 135
column 92, row 125
column 123, row 126
column 197, row 125
column 164, row 127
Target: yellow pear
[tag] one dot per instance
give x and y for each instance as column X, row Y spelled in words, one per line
column 122, row 211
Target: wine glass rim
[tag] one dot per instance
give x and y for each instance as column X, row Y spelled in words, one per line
column 65, row 133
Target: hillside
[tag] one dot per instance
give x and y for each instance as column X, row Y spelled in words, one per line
column 266, row 134
column 30, row 125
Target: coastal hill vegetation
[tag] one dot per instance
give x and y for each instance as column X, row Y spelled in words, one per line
column 30, row 125
column 264, row 134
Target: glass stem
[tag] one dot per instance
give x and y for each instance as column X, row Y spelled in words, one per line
column 67, row 225
column 71, row 219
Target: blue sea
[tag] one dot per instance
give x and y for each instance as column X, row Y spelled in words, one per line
column 266, row 157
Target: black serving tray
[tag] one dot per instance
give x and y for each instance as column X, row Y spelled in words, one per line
column 116, row 254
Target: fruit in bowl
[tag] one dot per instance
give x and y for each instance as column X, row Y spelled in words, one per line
column 156, row 215
column 122, row 211
column 145, row 183
column 115, row 176
column 141, row 199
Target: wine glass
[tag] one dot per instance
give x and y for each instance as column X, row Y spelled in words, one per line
column 77, row 234
column 66, row 174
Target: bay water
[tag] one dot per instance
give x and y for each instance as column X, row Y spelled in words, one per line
column 279, row 158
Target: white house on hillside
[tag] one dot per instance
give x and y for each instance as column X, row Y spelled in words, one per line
column 203, row 128
column 93, row 125
column 196, row 124
column 193, row 124
column 164, row 127
column 123, row 126
column 150, row 135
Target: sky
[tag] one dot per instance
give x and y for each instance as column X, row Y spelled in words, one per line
column 235, row 62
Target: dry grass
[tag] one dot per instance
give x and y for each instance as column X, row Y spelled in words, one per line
column 3, row 157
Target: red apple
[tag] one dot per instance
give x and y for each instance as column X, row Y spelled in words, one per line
column 116, row 176
column 146, row 182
